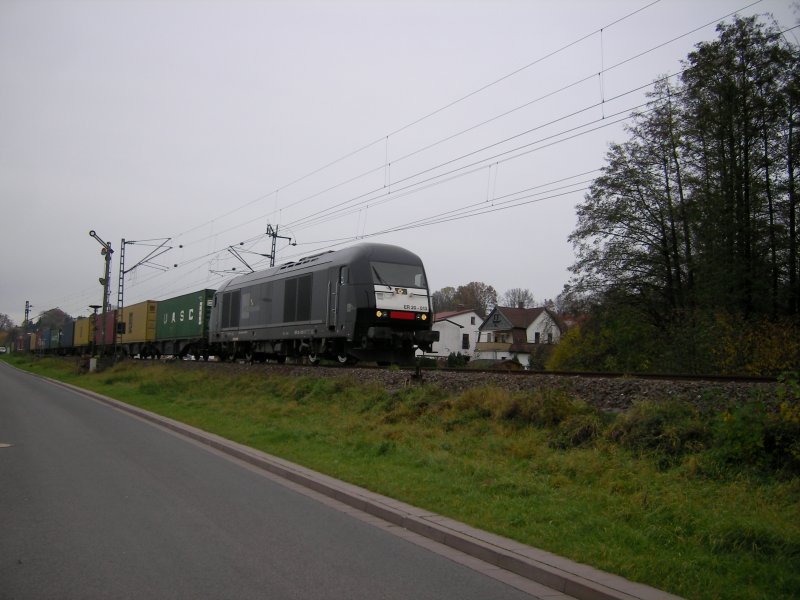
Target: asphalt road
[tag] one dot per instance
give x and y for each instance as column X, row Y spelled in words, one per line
column 95, row 503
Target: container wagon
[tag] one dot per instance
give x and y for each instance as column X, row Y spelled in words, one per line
column 136, row 329
column 43, row 341
column 82, row 335
column 67, row 340
column 55, row 341
column 182, row 325
column 104, row 336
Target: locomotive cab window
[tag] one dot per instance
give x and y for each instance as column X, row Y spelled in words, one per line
column 399, row 275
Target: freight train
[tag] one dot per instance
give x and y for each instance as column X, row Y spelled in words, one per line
column 370, row 302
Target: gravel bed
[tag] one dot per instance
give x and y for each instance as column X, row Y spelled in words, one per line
column 605, row 393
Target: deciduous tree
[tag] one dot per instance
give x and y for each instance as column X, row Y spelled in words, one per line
column 516, row 297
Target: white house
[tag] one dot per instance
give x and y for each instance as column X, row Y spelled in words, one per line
column 514, row 332
column 458, row 332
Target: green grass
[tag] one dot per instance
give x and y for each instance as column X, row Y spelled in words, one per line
column 646, row 497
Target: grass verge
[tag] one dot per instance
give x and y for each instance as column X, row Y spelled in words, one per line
column 661, row 495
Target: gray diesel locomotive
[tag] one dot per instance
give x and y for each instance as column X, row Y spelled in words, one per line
column 369, row 302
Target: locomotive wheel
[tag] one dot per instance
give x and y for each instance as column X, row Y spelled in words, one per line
column 313, row 359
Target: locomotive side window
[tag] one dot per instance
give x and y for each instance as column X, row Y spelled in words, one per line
column 297, row 299
column 236, row 303
column 230, row 308
column 225, row 316
column 400, row 275
column 304, row 298
column 344, row 275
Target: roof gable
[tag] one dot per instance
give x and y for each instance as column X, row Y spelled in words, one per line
column 505, row 318
column 449, row 314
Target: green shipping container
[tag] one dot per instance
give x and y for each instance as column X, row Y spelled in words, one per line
column 55, row 339
column 184, row 317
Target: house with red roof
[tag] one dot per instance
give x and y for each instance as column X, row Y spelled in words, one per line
column 509, row 333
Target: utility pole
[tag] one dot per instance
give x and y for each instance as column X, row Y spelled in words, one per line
column 28, row 307
column 106, row 252
column 273, row 233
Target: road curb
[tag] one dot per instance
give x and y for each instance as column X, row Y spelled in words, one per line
column 560, row 574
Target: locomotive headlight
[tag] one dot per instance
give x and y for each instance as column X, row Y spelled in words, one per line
column 424, row 317
column 379, row 314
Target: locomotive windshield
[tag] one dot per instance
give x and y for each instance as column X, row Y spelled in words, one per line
column 399, row 275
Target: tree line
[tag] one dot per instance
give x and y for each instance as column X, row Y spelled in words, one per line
column 481, row 298
column 688, row 240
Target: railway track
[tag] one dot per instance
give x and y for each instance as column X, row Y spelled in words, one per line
column 608, row 391
column 421, row 371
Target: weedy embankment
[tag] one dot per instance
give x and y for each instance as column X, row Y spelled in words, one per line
column 704, row 503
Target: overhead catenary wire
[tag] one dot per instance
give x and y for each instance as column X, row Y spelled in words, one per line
column 504, row 114
column 429, row 115
column 501, row 157
column 300, row 223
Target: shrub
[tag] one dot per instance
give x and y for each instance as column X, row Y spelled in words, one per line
column 577, row 430
column 539, row 356
column 455, row 361
column 486, row 402
column 542, row 408
column 669, row 428
column 738, row 435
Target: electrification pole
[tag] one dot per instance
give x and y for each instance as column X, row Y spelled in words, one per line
column 273, row 233
column 159, row 250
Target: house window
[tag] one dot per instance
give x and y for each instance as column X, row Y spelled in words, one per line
column 536, row 337
column 549, row 338
column 489, row 338
column 465, row 341
column 472, row 320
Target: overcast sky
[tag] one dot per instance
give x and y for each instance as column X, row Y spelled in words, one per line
column 381, row 121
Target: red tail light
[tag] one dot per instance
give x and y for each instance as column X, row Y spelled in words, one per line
column 399, row 314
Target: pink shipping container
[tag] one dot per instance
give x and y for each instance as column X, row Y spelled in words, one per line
column 110, row 325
